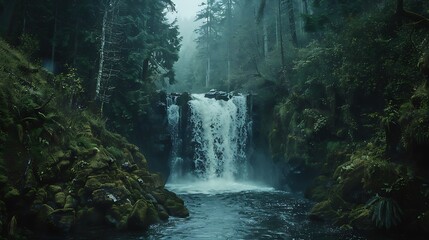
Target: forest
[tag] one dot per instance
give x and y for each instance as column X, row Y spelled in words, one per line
column 253, row 119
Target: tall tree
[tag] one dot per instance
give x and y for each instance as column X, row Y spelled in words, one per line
column 292, row 25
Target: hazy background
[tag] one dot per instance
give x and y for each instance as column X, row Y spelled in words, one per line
column 185, row 14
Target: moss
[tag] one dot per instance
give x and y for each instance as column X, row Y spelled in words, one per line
column 324, row 211
column 76, row 162
column 60, row 199
column 142, row 215
column 360, row 218
column 12, row 195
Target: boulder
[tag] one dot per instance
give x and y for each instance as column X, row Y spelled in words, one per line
column 142, row 215
column 423, row 221
column 360, row 218
column 11, row 195
column 218, row 95
column 60, row 199
column 103, row 198
column 43, row 213
column 62, row 220
column 70, row 202
column 117, row 215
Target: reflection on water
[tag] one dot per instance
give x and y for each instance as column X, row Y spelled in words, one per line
column 246, row 215
column 242, row 212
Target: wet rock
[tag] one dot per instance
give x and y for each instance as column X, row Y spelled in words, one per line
column 70, row 202
column 117, row 215
column 128, row 167
column 162, row 212
column 43, row 213
column 102, row 198
column 62, row 220
column 173, row 204
column 92, row 184
column 142, row 215
column 218, row 95
column 60, row 199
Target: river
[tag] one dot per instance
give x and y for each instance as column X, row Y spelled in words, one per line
column 220, row 210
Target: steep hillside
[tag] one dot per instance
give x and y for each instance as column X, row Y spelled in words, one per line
column 60, row 167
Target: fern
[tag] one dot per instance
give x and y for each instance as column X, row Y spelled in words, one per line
column 386, row 212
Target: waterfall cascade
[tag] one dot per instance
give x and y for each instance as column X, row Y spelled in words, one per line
column 216, row 138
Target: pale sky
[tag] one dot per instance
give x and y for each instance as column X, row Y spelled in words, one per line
column 186, row 8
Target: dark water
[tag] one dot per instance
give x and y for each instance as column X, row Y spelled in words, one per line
column 247, row 215
column 253, row 214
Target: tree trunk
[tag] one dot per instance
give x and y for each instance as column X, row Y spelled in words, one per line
column 306, row 7
column 265, row 30
column 145, row 73
column 76, row 34
column 417, row 18
column 6, row 16
column 102, row 46
column 280, row 26
column 228, row 77
column 292, row 26
column 54, row 36
column 208, row 44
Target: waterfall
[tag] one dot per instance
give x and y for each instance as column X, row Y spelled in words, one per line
column 214, row 144
column 173, row 117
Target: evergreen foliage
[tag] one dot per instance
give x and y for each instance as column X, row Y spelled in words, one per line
column 386, row 213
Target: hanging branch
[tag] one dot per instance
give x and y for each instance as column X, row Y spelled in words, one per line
column 415, row 17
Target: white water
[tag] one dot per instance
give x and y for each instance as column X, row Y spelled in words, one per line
column 219, row 135
column 173, row 114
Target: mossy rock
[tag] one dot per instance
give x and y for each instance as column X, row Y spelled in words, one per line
column 43, row 212
column 319, row 190
column 53, row 189
column 62, row 220
column 360, row 218
column 162, row 212
column 102, row 198
column 40, row 197
column 12, row 195
column 423, row 221
column 92, row 184
column 176, row 208
column 60, row 199
column 324, row 211
column 3, row 180
column 117, row 215
column 90, row 216
column 70, row 202
column 142, row 216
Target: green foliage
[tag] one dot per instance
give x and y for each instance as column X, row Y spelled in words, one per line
column 29, row 45
column 386, row 212
column 70, row 84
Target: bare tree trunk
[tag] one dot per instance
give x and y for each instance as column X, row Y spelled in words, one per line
column 54, row 36
column 229, row 44
column 76, row 34
column 24, row 17
column 417, row 18
column 306, row 7
column 265, row 30
column 280, row 26
column 6, row 16
column 208, row 44
column 102, row 46
column 292, row 27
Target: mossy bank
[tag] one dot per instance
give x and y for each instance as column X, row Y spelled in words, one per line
column 60, row 167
